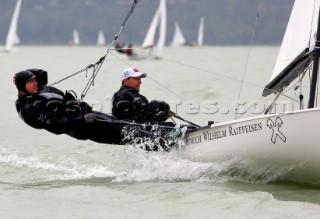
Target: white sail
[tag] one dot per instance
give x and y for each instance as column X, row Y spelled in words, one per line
column 12, row 37
column 16, row 39
column 299, row 35
column 200, row 32
column 159, row 19
column 151, row 33
column 101, row 40
column 76, row 38
column 178, row 38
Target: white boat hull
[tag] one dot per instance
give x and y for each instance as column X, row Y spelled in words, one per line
column 279, row 139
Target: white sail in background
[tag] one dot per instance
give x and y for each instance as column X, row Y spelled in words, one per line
column 200, row 32
column 151, row 33
column 178, row 38
column 76, row 38
column 159, row 19
column 101, row 40
column 12, row 37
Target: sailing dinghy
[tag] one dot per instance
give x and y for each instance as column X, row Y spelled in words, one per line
column 287, row 139
column 12, row 37
column 200, row 32
column 101, row 39
column 75, row 41
column 159, row 20
column 178, row 38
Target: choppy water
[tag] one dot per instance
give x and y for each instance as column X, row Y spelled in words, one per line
column 47, row 176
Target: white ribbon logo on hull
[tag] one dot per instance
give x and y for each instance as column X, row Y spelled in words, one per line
column 275, row 126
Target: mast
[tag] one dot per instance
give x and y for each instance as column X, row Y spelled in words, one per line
column 314, row 77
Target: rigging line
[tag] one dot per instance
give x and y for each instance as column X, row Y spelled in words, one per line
column 65, row 78
column 96, row 67
column 102, row 59
column 206, row 71
column 252, row 105
column 161, row 86
column 273, row 103
column 130, row 12
column 166, row 88
column 299, row 81
column 155, row 81
column 248, row 55
column 118, row 57
column 310, row 37
column 182, row 98
column 220, row 75
column 310, row 34
column 213, row 73
column 122, row 26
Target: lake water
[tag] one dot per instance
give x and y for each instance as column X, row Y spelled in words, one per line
column 43, row 175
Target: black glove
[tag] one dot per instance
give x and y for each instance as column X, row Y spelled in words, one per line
column 70, row 95
column 72, row 107
column 160, row 110
column 158, row 106
column 85, row 108
column 139, row 103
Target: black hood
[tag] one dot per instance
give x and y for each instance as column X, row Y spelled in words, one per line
column 21, row 79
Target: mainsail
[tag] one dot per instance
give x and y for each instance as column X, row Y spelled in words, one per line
column 76, row 38
column 200, row 32
column 12, row 37
column 101, row 40
column 178, row 38
column 159, row 19
column 297, row 45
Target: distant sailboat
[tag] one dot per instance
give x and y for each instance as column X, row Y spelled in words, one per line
column 12, row 37
column 75, row 38
column 178, row 38
column 101, row 40
column 159, row 19
column 200, row 32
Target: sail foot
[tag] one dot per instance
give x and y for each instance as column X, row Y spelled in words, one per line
column 288, row 75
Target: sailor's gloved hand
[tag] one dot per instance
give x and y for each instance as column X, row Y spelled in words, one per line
column 89, row 117
column 160, row 110
column 169, row 114
column 85, row 107
column 157, row 106
column 72, row 107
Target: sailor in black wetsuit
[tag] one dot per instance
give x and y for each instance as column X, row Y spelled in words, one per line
column 128, row 104
column 44, row 107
